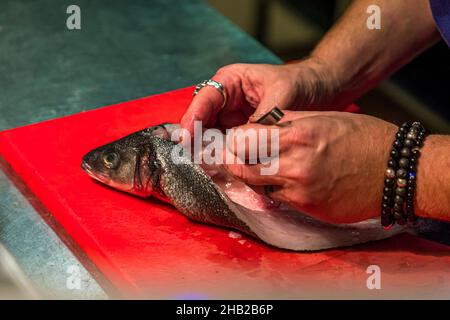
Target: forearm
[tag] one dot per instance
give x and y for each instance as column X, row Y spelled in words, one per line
column 359, row 58
column 433, row 179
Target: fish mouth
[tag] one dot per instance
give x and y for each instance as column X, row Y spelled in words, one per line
column 105, row 179
column 88, row 169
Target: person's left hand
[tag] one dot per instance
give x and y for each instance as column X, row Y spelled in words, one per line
column 331, row 164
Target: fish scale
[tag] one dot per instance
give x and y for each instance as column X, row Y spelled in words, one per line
column 193, row 192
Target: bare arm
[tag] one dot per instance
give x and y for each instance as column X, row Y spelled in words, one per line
column 433, row 179
column 359, row 58
column 349, row 61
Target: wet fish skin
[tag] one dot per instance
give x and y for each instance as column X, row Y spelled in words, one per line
column 192, row 191
column 136, row 171
column 146, row 167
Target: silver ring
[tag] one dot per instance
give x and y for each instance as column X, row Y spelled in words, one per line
column 215, row 84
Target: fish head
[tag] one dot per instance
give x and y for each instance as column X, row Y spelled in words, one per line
column 126, row 164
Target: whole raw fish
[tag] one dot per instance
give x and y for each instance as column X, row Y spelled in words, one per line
column 143, row 164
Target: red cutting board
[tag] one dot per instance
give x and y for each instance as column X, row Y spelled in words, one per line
column 148, row 249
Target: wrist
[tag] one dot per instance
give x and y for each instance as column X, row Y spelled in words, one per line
column 399, row 194
column 317, row 85
column 351, row 79
column 432, row 198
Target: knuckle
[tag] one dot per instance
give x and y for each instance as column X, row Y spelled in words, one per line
column 234, row 70
column 301, row 135
column 222, row 70
column 228, row 68
column 306, row 174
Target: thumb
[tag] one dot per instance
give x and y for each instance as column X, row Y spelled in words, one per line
column 268, row 102
column 283, row 100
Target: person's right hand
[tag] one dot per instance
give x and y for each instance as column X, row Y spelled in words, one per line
column 254, row 89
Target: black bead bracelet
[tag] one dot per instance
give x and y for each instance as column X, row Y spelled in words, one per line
column 399, row 185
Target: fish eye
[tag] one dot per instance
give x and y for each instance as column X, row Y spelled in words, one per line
column 111, row 160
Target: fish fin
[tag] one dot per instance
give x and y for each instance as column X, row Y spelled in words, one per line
column 296, row 231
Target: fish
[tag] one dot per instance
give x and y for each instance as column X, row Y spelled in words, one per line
column 143, row 164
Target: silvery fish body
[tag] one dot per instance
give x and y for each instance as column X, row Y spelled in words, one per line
column 148, row 163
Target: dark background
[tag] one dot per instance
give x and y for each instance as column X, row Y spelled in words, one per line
column 291, row 28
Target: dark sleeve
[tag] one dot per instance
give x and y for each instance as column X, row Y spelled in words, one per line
column 441, row 14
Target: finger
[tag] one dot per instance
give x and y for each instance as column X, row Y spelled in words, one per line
column 273, row 97
column 252, row 174
column 296, row 115
column 254, row 142
column 202, row 108
column 232, row 119
column 278, row 193
column 206, row 104
column 237, row 116
column 257, row 174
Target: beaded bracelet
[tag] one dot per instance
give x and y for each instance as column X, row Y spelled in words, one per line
column 400, row 182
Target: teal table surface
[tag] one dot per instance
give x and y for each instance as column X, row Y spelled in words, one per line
column 124, row 50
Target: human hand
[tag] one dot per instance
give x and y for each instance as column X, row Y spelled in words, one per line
column 254, row 89
column 331, row 165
